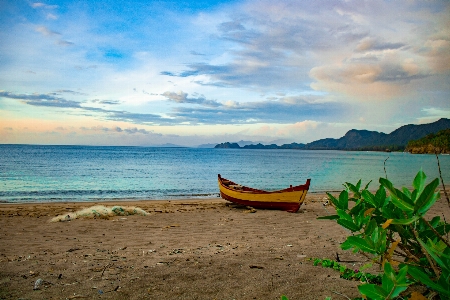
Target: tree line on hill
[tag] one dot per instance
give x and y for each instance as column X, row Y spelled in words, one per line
column 432, row 143
column 365, row 140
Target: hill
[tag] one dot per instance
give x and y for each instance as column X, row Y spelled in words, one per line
column 432, row 143
column 364, row 140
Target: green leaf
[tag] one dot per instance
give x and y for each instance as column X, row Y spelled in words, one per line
column 434, row 254
column 373, row 291
column 354, row 189
column 344, row 215
column 403, row 205
column 367, row 185
column 331, row 217
column 394, row 283
column 427, row 198
column 369, row 198
column 435, row 221
column 405, row 221
column 398, row 198
column 334, row 201
column 423, row 278
column 343, row 200
column 381, row 244
column 358, row 185
column 348, row 224
column 401, row 276
column 388, row 282
column 346, row 245
column 441, row 229
column 413, row 196
column 361, row 244
column 370, row 227
column 359, row 206
column 419, row 182
column 406, row 192
column 380, row 197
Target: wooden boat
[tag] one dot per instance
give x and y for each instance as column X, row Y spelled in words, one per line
column 289, row 199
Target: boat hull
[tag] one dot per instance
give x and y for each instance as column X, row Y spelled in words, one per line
column 289, row 199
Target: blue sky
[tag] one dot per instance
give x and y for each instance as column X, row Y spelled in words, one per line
column 198, row 72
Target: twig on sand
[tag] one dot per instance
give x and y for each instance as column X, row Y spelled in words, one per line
column 341, row 295
column 104, row 269
column 77, row 296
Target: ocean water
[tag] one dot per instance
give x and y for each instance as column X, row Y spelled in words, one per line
column 30, row 173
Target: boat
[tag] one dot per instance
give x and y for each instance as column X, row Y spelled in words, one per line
column 289, row 199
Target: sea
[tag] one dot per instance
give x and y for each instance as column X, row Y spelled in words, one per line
column 36, row 173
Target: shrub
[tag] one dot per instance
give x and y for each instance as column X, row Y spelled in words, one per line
column 390, row 228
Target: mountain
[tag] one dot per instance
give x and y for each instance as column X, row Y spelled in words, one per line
column 373, row 140
column 361, row 139
column 261, row 146
column 228, row 145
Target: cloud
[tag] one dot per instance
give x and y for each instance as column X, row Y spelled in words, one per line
column 43, row 5
column 82, row 68
column 167, row 73
column 230, row 26
column 69, row 92
column 117, row 129
column 51, row 101
column 434, row 113
column 328, row 46
column 108, row 102
column 284, row 110
column 136, row 130
column 196, row 53
column 42, row 100
column 64, row 43
column 246, row 63
column 181, row 97
column 51, row 16
column 47, row 32
column 50, row 33
column 437, row 53
column 372, row 44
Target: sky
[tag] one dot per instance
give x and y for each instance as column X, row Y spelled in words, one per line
column 143, row 73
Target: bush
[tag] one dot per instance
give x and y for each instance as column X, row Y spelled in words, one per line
column 390, row 228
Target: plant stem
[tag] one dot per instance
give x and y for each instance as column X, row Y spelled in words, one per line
column 435, row 232
column 384, row 166
column 430, row 261
column 408, row 253
column 369, row 258
column 442, row 180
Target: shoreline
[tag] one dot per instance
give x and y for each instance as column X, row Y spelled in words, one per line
column 150, row 206
column 128, row 200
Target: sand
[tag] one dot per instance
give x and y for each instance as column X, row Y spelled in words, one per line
column 183, row 249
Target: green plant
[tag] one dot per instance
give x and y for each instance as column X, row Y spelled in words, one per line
column 390, row 228
column 347, row 273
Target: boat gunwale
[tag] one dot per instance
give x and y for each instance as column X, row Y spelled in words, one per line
column 291, row 189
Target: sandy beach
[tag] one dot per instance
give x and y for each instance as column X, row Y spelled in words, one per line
column 183, row 249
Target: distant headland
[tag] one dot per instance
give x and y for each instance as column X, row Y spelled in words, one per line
column 400, row 139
